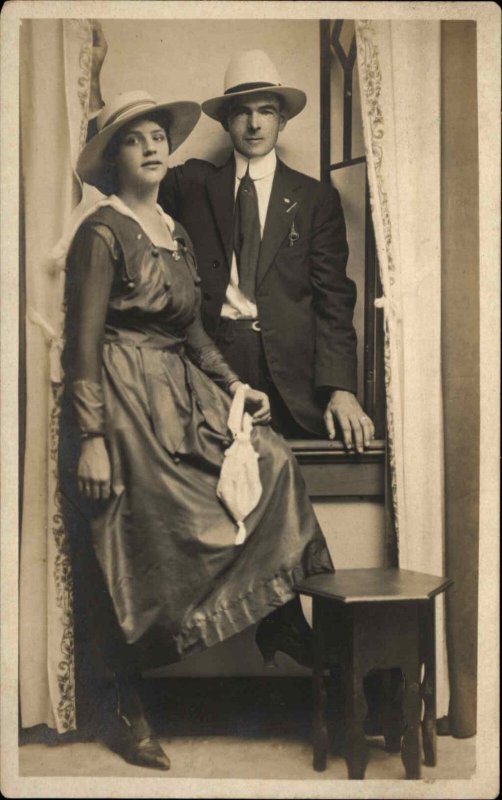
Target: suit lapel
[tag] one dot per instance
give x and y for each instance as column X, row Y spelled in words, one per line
column 221, row 187
column 282, row 208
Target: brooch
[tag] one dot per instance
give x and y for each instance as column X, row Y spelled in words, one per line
column 175, row 255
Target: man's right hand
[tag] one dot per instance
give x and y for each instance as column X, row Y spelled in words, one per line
column 99, row 49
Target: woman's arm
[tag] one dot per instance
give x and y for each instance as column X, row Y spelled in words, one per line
column 204, row 353
column 90, row 276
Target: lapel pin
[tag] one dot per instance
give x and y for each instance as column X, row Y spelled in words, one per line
column 291, row 207
column 287, row 200
column 293, row 233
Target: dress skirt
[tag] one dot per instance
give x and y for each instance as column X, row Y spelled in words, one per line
column 165, row 542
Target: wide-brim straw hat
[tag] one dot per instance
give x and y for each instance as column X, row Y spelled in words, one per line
column 178, row 119
column 248, row 72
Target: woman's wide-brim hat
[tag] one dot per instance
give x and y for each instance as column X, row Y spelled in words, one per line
column 248, row 72
column 178, row 119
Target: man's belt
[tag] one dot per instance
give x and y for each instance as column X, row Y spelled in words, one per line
column 243, row 324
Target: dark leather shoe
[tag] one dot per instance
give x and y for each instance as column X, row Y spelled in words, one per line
column 128, row 733
column 273, row 634
column 124, row 739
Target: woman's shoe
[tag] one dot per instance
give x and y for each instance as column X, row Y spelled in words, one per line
column 128, row 733
column 286, row 630
column 136, row 745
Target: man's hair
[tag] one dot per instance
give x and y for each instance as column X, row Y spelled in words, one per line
column 235, row 101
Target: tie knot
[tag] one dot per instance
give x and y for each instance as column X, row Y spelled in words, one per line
column 246, row 179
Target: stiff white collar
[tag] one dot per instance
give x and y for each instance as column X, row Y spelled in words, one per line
column 259, row 167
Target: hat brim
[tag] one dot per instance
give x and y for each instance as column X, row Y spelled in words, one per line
column 294, row 100
column 179, row 119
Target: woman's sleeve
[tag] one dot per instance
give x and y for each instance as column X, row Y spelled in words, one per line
column 90, row 277
column 204, row 353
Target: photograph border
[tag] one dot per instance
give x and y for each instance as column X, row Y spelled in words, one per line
column 486, row 780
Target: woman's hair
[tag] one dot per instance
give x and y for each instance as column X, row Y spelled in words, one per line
column 112, row 148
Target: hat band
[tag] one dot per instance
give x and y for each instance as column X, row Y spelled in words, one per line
column 126, row 110
column 245, row 87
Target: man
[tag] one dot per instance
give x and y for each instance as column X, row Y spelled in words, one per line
column 272, row 253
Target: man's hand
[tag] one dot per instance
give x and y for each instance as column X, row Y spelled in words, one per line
column 99, row 49
column 357, row 429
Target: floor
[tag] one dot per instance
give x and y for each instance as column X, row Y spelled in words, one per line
column 239, row 728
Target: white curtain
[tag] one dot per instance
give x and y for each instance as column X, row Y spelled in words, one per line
column 399, row 68
column 55, row 80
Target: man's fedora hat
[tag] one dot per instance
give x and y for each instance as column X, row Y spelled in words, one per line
column 251, row 71
column 178, row 120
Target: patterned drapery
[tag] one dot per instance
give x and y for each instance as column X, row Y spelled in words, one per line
column 400, row 79
column 55, row 81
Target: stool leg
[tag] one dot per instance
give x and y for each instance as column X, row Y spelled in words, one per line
column 356, row 752
column 392, row 715
column 428, row 658
column 410, row 748
column 337, row 712
column 320, row 698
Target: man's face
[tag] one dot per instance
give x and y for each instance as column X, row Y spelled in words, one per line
column 254, row 122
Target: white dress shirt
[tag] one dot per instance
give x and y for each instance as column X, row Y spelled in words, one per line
column 261, row 171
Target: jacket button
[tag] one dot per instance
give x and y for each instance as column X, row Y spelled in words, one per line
column 215, row 264
column 155, row 253
column 197, row 280
column 130, row 284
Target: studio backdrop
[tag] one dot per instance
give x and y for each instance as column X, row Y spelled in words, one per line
column 402, row 115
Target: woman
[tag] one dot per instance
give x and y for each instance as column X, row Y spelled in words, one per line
column 150, row 399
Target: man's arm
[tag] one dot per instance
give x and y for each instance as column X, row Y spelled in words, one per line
column 99, row 50
column 334, row 300
column 169, row 190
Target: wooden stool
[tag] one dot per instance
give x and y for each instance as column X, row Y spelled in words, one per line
column 365, row 619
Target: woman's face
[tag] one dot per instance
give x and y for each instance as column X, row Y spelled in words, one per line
column 142, row 155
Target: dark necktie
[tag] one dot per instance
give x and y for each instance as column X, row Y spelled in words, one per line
column 247, row 238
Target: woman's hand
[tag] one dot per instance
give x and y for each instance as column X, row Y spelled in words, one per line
column 257, row 404
column 94, row 470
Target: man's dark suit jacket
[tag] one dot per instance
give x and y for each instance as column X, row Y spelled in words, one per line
column 305, row 300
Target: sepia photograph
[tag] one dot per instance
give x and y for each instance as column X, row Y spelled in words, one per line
column 250, row 388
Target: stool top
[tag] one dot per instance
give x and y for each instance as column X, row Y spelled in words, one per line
column 373, row 585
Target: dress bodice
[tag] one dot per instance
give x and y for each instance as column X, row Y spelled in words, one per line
column 154, row 290
column 121, row 288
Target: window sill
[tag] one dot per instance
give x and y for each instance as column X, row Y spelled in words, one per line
column 330, row 471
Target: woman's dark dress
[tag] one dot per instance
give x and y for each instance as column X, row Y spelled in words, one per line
column 164, row 541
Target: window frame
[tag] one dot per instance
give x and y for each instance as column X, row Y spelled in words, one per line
column 328, row 468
